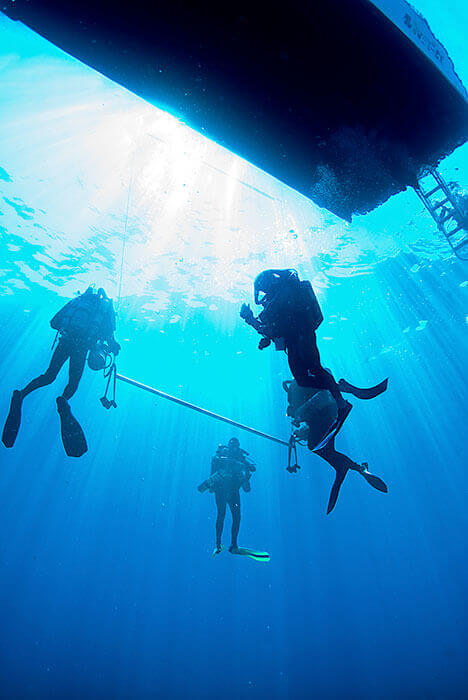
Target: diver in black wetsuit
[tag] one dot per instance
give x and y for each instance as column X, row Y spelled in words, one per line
column 290, row 316
column 230, row 471
column 85, row 324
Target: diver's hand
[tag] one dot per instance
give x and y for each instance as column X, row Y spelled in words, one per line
column 246, row 313
column 114, row 347
column 264, row 343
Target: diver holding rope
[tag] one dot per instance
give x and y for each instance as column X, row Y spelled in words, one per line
column 85, row 330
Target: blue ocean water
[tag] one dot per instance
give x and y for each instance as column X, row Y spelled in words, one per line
column 107, row 585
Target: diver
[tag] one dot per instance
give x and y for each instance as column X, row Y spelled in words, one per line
column 231, row 470
column 315, row 415
column 85, row 327
column 290, row 317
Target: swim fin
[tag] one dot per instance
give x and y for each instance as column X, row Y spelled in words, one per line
column 359, row 393
column 13, row 421
column 73, row 438
column 251, row 553
column 217, row 550
column 340, row 476
column 373, row 480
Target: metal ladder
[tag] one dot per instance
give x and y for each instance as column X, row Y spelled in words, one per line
column 446, row 212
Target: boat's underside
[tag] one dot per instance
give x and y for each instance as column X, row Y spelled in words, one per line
column 331, row 97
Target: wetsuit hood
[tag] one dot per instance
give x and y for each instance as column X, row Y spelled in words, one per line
column 269, row 281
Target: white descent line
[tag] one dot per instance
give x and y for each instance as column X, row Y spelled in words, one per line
column 124, row 242
column 205, row 412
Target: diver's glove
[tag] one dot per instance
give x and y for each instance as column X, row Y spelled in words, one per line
column 264, row 343
column 302, row 433
column 114, row 346
column 247, row 314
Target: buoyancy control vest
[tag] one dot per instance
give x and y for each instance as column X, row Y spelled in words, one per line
column 228, row 474
column 293, row 310
column 229, row 470
column 88, row 318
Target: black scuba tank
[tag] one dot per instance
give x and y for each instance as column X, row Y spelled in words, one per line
column 297, row 395
column 310, row 305
column 291, row 310
column 85, row 317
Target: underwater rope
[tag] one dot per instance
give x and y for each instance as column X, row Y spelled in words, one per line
column 205, row 412
column 124, row 242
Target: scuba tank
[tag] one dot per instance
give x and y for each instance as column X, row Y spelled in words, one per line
column 239, row 476
column 297, row 395
column 290, row 307
column 212, row 481
column 311, row 305
column 320, row 413
column 315, row 407
column 88, row 316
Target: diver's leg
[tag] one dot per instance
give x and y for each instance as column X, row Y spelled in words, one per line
column 336, row 459
column 305, row 358
column 73, row 437
column 234, row 505
column 327, row 381
column 298, row 367
column 59, row 358
column 77, row 365
column 324, row 378
column 221, row 503
column 341, row 463
column 13, row 421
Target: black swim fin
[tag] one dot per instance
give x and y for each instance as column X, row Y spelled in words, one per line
column 251, row 553
column 373, row 480
column 359, row 393
column 73, row 437
column 340, row 476
column 13, row 421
